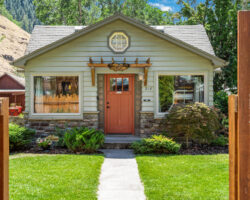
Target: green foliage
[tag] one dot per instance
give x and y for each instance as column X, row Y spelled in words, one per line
column 221, row 101
column 166, row 89
column 196, row 122
column 23, row 12
column 20, row 137
column 48, row 142
column 60, row 134
column 5, row 13
column 86, row 12
column 45, row 144
column 83, row 139
column 220, row 140
column 2, row 37
column 220, row 21
column 156, row 144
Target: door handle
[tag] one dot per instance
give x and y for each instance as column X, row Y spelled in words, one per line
column 107, row 107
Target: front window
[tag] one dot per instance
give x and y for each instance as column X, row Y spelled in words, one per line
column 180, row 89
column 56, row 94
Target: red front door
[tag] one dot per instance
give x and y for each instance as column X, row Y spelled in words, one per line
column 119, row 103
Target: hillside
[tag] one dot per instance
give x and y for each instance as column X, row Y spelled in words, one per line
column 13, row 42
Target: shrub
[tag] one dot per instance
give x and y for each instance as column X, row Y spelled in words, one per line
column 156, row 144
column 196, row 122
column 221, row 101
column 60, row 134
column 220, row 140
column 83, row 139
column 20, row 138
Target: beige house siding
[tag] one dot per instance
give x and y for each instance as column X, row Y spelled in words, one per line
column 74, row 56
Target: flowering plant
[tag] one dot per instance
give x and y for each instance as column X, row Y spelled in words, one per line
column 46, row 143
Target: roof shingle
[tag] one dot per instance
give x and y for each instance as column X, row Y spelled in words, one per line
column 194, row 35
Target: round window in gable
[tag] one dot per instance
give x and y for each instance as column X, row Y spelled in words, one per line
column 118, row 41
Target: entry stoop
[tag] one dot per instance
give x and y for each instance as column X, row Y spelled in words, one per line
column 119, row 141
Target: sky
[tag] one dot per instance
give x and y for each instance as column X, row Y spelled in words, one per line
column 167, row 5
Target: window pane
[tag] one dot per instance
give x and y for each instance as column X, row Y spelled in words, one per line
column 56, row 94
column 180, row 89
column 125, row 84
column 119, row 84
column 112, row 84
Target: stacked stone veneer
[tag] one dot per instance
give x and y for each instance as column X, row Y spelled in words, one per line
column 46, row 127
column 149, row 125
column 145, row 123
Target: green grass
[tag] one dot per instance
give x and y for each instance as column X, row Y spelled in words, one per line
column 57, row 177
column 185, row 177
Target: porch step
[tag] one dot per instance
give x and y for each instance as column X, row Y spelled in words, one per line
column 119, row 141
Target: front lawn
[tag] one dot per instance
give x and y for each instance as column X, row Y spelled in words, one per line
column 185, row 177
column 55, row 177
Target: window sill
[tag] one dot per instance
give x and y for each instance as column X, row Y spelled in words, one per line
column 59, row 116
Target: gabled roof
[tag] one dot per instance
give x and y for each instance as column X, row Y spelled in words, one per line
column 19, row 80
column 45, row 38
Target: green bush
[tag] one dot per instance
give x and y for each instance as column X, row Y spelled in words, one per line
column 20, row 138
column 221, row 101
column 156, row 144
column 60, row 134
column 83, row 139
column 221, row 140
column 196, row 122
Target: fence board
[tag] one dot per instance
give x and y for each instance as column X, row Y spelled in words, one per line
column 244, row 104
column 4, row 148
column 233, row 147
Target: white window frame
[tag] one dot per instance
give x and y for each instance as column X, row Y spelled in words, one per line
column 56, row 115
column 157, row 74
column 110, row 41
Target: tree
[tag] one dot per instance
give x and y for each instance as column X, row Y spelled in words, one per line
column 220, row 21
column 86, row 12
column 23, row 12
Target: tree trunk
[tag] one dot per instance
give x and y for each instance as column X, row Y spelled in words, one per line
column 80, row 12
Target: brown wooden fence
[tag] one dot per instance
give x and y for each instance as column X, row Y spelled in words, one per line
column 4, row 148
column 239, row 117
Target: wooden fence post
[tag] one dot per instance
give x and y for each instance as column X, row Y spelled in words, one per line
column 233, row 147
column 4, row 148
column 244, row 105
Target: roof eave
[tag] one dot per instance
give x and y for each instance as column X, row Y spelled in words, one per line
column 216, row 61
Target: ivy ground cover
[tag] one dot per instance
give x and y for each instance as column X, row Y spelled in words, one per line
column 189, row 177
column 54, row 176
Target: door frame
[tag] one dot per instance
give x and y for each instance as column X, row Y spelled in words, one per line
column 105, row 100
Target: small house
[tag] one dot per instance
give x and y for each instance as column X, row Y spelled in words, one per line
column 118, row 75
column 13, row 87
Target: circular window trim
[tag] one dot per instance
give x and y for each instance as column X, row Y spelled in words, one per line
column 109, row 41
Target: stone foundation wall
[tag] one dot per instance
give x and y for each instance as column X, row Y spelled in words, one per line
column 46, row 127
column 138, row 99
column 101, row 100
column 149, row 125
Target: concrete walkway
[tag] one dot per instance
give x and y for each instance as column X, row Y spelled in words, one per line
column 119, row 178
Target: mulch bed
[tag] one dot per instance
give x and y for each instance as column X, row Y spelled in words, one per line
column 36, row 150
column 192, row 150
column 203, row 150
